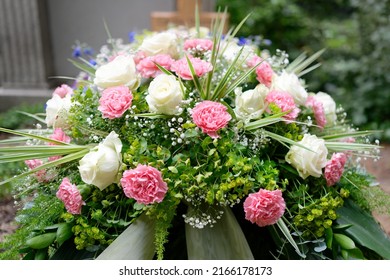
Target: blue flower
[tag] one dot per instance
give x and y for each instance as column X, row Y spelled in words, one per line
column 242, row 41
column 132, row 36
column 76, row 51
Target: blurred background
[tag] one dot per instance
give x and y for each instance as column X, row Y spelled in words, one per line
column 37, row 37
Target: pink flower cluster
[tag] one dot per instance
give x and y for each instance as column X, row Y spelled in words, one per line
column 334, row 168
column 58, row 135
column 34, row 163
column 145, row 184
column 182, row 68
column 63, row 90
column 285, row 102
column 115, row 101
column 264, row 207
column 318, row 110
column 264, row 71
column 198, row 45
column 210, row 116
column 147, row 66
column 70, row 196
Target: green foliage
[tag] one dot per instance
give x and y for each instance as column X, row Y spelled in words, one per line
column 369, row 197
column 33, row 222
column 14, row 119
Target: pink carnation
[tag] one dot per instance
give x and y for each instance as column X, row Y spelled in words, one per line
column 254, row 60
column 63, row 90
column 147, row 66
column 70, row 196
column 264, row 71
column 318, row 110
column 115, row 101
column 145, row 184
column 182, row 68
column 285, row 102
column 139, row 56
column 198, row 45
column 210, row 116
column 264, row 207
column 334, row 168
column 58, row 135
column 34, row 163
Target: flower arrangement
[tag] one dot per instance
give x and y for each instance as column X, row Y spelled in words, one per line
column 189, row 138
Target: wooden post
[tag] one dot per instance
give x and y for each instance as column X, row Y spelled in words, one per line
column 185, row 16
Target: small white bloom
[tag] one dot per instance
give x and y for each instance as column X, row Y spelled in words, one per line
column 160, row 43
column 164, row 95
column 250, row 104
column 329, row 107
column 57, row 109
column 100, row 167
column 308, row 162
column 119, row 72
column 289, row 82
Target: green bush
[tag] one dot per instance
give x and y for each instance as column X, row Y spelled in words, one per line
column 14, row 119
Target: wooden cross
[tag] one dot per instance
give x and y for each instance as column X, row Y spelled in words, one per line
column 185, row 15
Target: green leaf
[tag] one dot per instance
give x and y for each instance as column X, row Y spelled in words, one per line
column 344, row 241
column 64, row 232
column 34, row 116
column 195, row 79
column 357, row 133
column 286, row 232
column 301, row 63
column 135, row 243
column 329, row 237
column 224, row 241
column 32, row 136
column 365, row 230
column 83, row 67
column 254, row 125
column 173, row 169
column 68, row 158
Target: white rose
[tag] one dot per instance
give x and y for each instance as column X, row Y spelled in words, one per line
column 100, row 167
column 250, row 104
column 164, row 95
column 160, row 43
column 289, row 82
column 308, row 162
column 119, row 72
column 329, row 107
column 231, row 50
column 57, row 109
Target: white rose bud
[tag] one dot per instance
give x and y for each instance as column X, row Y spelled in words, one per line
column 308, row 162
column 250, row 104
column 329, row 107
column 164, row 95
column 160, row 43
column 57, row 109
column 119, row 72
column 100, row 167
column 289, row 82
